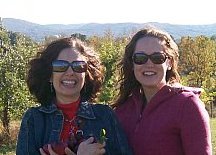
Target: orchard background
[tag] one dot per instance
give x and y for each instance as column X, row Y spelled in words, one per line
column 197, row 69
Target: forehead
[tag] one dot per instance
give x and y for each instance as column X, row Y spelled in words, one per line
column 149, row 44
column 70, row 54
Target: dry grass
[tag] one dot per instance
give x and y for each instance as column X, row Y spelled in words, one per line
column 14, row 128
column 8, row 142
column 213, row 132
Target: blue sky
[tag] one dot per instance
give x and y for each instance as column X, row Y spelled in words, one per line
column 184, row 12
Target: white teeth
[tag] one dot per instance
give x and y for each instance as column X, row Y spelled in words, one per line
column 149, row 73
column 68, row 82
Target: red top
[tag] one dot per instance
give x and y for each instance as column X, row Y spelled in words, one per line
column 174, row 122
column 69, row 111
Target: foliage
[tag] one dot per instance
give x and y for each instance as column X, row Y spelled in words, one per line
column 14, row 53
column 79, row 36
column 8, row 149
column 111, row 51
column 197, row 64
column 213, row 37
column 25, row 50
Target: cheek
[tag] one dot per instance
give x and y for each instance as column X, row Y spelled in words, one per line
column 55, row 79
column 82, row 77
column 55, row 76
column 137, row 70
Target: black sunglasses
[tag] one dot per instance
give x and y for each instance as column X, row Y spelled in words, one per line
column 142, row 58
column 62, row 66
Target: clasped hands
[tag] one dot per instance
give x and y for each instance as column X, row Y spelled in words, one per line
column 87, row 147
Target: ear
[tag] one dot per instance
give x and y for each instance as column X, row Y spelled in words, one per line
column 169, row 64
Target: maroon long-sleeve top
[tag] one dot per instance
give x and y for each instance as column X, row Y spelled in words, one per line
column 174, row 122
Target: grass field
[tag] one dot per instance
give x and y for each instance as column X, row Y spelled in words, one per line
column 213, row 131
column 6, row 149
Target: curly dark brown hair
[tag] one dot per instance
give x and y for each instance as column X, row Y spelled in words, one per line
column 128, row 81
column 38, row 79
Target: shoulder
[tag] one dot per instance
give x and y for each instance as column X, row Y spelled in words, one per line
column 182, row 100
column 193, row 102
column 102, row 110
column 188, row 95
column 29, row 115
column 185, row 92
column 32, row 112
column 101, row 107
column 190, row 101
column 129, row 104
column 195, row 90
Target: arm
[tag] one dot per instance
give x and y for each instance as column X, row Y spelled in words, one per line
column 26, row 141
column 121, row 141
column 195, row 128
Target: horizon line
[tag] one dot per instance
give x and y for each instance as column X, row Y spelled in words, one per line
column 106, row 22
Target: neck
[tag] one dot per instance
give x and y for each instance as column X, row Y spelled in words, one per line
column 63, row 100
column 150, row 92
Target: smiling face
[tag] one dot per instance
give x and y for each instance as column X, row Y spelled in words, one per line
column 68, row 84
column 150, row 75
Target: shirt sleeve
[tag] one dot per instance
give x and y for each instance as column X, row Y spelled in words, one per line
column 195, row 127
column 120, row 137
column 26, row 140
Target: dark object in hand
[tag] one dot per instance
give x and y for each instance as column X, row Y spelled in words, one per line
column 75, row 140
column 58, row 147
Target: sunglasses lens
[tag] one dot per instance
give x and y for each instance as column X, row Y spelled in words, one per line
column 140, row 58
column 60, row 66
column 158, row 58
column 79, row 66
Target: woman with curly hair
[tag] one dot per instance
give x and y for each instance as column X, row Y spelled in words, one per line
column 160, row 117
column 65, row 78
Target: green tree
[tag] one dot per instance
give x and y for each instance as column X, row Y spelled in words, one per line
column 213, row 37
column 110, row 49
column 15, row 52
column 197, row 63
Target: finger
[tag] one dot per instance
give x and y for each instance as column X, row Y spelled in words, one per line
column 104, row 144
column 69, row 152
column 42, row 152
column 99, row 145
column 51, row 150
column 89, row 140
column 102, row 151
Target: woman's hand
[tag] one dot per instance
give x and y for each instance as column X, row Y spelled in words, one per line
column 87, row 147
column 67, row 151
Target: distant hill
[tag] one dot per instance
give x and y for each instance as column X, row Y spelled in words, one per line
column 37, row 32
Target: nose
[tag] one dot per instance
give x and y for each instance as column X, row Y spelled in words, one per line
column 69, row 70
column 149, row 62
